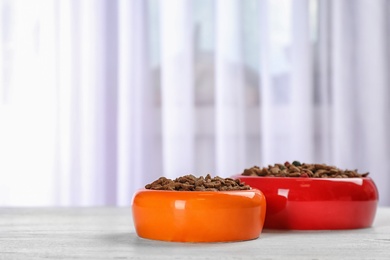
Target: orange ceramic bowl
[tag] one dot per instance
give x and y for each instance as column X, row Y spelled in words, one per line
column 199, row 216
column 317, row 203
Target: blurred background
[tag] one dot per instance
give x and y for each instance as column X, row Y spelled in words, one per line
column 100, row 97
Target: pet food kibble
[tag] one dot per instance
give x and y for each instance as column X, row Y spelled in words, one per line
column 303, row 170
column 192, row 183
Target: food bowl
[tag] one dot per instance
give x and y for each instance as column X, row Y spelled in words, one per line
column 316, row 203
column 199, row 216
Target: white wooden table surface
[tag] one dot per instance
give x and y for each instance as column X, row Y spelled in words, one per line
column 108, row 233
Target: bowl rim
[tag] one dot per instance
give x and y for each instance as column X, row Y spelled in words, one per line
column 198, row 191
column 300, row 178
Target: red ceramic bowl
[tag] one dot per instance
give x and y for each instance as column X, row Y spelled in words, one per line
column 317, row 203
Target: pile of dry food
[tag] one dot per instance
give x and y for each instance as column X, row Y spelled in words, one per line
column 297, row 169
column 192, row 183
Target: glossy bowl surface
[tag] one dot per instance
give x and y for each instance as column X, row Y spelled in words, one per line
column 316, row 204
column 199, row 216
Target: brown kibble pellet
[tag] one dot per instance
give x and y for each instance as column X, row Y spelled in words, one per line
column 294, row 174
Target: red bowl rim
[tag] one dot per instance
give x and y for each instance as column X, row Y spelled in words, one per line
column 299, row 178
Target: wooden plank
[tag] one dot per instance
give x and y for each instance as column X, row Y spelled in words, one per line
column 108, row 233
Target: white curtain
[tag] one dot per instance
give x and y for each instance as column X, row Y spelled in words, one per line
column 98, row 98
